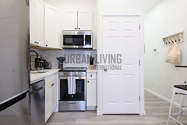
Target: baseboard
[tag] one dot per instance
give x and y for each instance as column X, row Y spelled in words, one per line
column 91, row 108
column 160, row 96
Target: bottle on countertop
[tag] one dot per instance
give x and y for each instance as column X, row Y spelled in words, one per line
column 91, row 67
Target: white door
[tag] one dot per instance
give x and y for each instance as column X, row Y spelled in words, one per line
column 37, row 22
column 121, row 88
column 69, row 20
column 53, row 29
column 85, row 20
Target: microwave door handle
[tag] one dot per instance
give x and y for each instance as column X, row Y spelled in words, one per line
column 84, row 40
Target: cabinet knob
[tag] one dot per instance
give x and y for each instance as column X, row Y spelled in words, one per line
column 77, row 28
column 52, row 84
column 46, row 45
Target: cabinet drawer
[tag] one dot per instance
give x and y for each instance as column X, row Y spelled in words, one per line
column 50, row 78
column 91, row 75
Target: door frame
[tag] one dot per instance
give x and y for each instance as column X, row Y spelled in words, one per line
column 100, row 72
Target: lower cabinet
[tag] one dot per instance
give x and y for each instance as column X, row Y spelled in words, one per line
column 91, row 91
column 50, row 95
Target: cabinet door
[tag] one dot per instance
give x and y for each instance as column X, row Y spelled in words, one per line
column 52, row 28
column 69, row 20
column 54, row 95
column 37, row 22
column 85, row 20
column 48, row 102
column 91, row 92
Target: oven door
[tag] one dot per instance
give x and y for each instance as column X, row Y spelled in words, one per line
column 72, row 89
column 74, row 100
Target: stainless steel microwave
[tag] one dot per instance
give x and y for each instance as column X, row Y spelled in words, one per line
column 77, row 39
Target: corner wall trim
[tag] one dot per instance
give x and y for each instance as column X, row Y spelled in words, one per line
column 160, row 96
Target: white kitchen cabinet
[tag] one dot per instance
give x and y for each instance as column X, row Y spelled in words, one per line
column 91, row 91
column 50, row 95
column 79, row 20
column 48, row 102
column 36, row 22
column 53, row 30
column 85, row 20
column 54, row 93
column 69, row 21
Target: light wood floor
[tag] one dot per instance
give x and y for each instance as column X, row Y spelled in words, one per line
column 156, row 114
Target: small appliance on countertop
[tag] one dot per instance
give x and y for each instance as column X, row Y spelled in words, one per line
column 40, row 63
column 61, row 62
column 92, row 67
column 46, row 64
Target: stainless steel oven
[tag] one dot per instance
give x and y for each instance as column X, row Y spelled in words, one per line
column 77, row 39
column 72, row 91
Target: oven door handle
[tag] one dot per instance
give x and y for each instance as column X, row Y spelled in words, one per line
column 63, row 77
column 73, row 85
column 81, row 77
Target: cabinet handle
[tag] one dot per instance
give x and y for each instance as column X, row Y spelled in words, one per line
column 52, row 84
column 36, row 42
column 77, row 28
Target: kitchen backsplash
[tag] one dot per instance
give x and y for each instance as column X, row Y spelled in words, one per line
column 74, row 58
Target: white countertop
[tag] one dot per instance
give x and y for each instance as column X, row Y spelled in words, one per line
column 35, row 77
column 91, row 70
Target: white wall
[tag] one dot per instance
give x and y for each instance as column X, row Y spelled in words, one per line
column 82, row 5
column 126, row 6
column 165, row 19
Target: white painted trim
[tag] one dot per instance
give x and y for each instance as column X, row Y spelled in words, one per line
column 160, row 96
column 142, row 107
column 120, row 14
column 91, row 108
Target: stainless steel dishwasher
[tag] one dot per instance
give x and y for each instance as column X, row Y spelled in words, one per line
column 37, row 96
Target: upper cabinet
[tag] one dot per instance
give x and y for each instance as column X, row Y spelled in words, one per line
column 77, row 20
column 85, row 20
column 37, row 22
column 69, row 20
column 53, row 30
column 47, row 24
